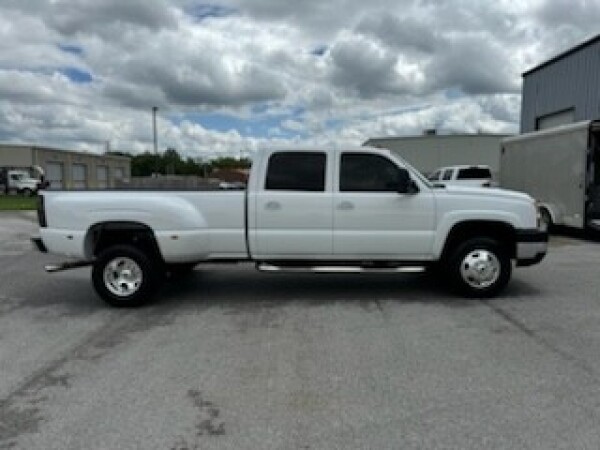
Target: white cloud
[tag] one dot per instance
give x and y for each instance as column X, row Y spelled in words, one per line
column 383, row 67
column 293, row 125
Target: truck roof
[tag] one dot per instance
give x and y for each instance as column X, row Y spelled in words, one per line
column 464, row 166
column 323, row 148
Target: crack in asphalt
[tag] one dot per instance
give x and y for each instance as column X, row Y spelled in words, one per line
column 207, row 422
column 20, row 410
column 9, row 303
column 529, row 332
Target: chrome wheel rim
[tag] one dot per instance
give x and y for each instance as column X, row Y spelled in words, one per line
column 480, row 269
column 122, row 276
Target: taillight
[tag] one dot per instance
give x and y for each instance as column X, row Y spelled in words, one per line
column 41, row 211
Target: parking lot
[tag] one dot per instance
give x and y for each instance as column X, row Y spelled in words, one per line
column 230, row 358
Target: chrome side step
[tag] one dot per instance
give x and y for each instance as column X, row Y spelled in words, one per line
column 263, row 267
column 51, row 268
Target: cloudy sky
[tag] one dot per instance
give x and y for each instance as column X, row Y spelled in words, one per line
column 231, row 76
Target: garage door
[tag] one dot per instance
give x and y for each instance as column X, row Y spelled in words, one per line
column 102, row 177
column 79, row 176
column 556, row 119
column 119, row 173
column 55, row 175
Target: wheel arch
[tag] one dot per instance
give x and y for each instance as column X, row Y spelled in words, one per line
column 503, row 232
column 552, row 211
column 102, row 235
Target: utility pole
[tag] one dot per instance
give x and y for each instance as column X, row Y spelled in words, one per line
column 154, row 110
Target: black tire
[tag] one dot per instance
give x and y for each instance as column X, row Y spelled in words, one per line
column 479, row 268
column 144, row 279
column 27, row 192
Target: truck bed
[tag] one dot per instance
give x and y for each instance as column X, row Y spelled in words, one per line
column 188, row 225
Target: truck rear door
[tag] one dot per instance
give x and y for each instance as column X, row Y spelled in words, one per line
column 290, row 207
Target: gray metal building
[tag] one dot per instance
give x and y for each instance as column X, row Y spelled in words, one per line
column 68, row 169
column 564, row 89
column 430, row 151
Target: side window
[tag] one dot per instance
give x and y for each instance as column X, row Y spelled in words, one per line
column 296, row 171
column 365, row 172
column 447, row 174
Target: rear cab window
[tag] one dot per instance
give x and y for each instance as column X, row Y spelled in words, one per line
column 474, row 173
column 296, row 171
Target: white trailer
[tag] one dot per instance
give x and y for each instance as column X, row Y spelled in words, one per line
column 560, row 168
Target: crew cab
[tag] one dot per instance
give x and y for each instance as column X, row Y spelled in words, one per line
column 320, row 209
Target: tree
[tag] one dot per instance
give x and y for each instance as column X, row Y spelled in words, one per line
column 144, row 164
column 227, row 162
column 170, row 162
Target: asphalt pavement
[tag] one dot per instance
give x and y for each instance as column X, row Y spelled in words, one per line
column 229, row 358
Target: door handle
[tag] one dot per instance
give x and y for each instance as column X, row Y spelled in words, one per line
column 345, row 206
column 273, row 206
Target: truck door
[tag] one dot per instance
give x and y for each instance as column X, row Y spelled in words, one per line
column 371, row 219
column 293, row 207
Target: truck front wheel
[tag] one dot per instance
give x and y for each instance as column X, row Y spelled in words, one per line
column 479, row 267
column 125, row 276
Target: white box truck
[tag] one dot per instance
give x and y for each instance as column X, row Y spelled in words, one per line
column 20, row 181
column 560, row 168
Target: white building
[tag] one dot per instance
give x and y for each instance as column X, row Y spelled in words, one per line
column 430, row 151
column 68, row 169
column 563, row 89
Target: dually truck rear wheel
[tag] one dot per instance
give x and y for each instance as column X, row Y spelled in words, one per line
column 479, row 267
column 124, row 276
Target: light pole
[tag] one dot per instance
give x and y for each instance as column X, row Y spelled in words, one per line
column 154, row 109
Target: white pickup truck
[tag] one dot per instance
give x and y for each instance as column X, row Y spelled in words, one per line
column 19, row 181
column 362, row 209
